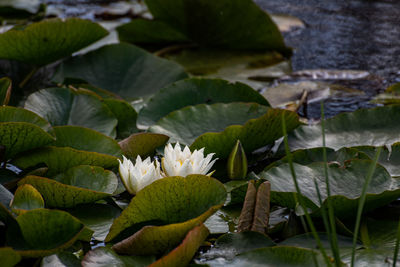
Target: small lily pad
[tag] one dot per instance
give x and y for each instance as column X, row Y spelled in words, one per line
column 26, row 197
column 79, row 185
column 142, row 144
column 186, row 124
column 49, row 40
column 195, row 91
column 253, row 134
column 171, row 200
column 60, row 159
column 123, row 69
column 86, row 139
column 62, row 106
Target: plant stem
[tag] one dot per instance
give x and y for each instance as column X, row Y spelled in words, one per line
column 28, row 77
column 173, row 48
column 361, row 203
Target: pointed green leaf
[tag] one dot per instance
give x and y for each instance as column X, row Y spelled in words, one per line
column 188, row 123
column 62, row 106
column 49, row 40
column 170, row 200
column 253, row 134
column 60, row 159
column 195, row 91
column 122, row 69
column 142, row 144
column 86, row 139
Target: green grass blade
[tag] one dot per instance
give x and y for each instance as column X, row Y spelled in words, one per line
column 361, row 203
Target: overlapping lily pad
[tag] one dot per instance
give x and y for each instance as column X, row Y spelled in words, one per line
column 26, row 197
column 171, row 200
column 346, row 182
column 45, row 232
column 253, row 134
column 86, row 139
column 373, row 127
column 142, row 144
column 49, row 40
column 123, row 69
column 125, row 114
column 62, row 106
column 186, row 124
column 9, row 257
column 60, row 159
column 195, row 91
column 8, row 7
column 79, row 185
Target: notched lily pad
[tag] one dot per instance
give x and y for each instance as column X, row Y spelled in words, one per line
column 186, row 124
column 49, row 40
column 79, row 185
column 195, row 91
column 123, row 69
column 63, row 106
column 253, row 134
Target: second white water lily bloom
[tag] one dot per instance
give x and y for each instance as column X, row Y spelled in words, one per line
column 181, row 163
column 138, row 176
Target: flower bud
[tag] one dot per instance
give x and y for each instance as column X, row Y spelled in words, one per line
column 237, row 162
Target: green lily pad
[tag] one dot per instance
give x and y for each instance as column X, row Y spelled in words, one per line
column 272, row 256
column 170, row 200
column 18, row 6
column 224, row 220
column 61, row 259
column 123, row 69
column 142, row 144
column 49, row 40
column 45, row 232
column 104, row 257
column 150, row 32
column 26, row 197
column 5, row 90
column 253, row 134
column 13, row 114
column 364, row 127
column 346, row 182
column 9, row 257
column 62, row 106
column 86, row 139
column 195, row 91
column 97, row 217
column 126, row 116
column 186, row 124
column 184, row 253
column 215, row 24
column 60, row 159
column 79, row 185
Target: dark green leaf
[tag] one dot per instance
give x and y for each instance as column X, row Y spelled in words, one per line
column 142, row 144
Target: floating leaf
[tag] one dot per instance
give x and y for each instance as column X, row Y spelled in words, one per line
column 79, row 185
column 60, row 159
column 86, row 139
column 9, row 257
column 389, row 157
column 346, row 182
column 142, row 144
column 195, row 91
column 171, row 200
column 19, row 6
column 5, row 90
column 374, row 127
column 125, row 114
column 104, row 257
column 45, row 232
column 122, row 69
column 215, row 24
column 184, row 253
column 97, row 217
column 61, row 259
column 62, row 106
column 253, row 134
column 49, row 40
column 26, row 197
column 186, row 124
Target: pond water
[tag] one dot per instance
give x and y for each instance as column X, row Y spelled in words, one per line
column 338, row 35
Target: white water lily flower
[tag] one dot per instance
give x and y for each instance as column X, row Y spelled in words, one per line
column 138, row 176
column 181, row 163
